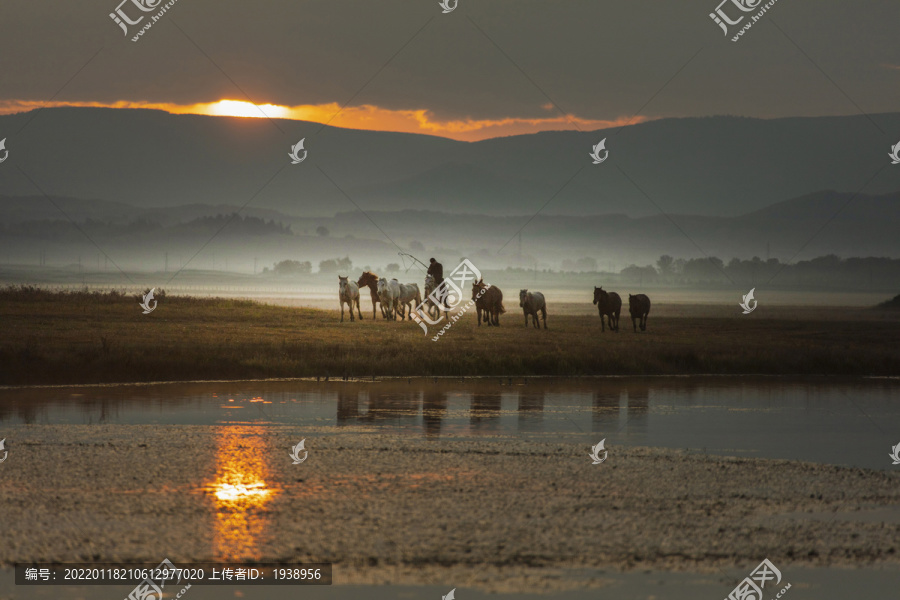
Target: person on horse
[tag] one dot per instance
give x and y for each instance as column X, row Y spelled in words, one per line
column 436, row 270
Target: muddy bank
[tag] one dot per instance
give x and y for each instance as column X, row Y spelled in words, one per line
column 409, row 510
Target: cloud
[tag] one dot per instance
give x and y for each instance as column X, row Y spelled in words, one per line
column 365, row 117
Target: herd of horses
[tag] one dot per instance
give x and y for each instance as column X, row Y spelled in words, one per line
column 400, row 299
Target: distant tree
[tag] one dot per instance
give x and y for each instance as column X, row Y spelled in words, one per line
column 638, row 274
column 586, row 265
column 322, row 231
column 830, row 262
column 292, row 267
column 392, row 268
column 665, row 264
column 705, row 269
column 238, row 224
column 333, row 265
column 328, row 266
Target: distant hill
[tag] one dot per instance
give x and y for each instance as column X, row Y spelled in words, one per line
column 715, row 166
column 864, row 226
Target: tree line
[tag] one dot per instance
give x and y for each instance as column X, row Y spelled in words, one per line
column 823, row 270
column 296, row 267
column 62, row 230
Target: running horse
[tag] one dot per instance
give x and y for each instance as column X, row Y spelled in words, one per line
column 488, row 301
column 639, row 307
column 432, row 305
column 610, row 305
column 531, row 303
column 348, row 293
column 370, row 280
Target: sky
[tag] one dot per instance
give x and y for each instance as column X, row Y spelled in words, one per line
column 486, row 69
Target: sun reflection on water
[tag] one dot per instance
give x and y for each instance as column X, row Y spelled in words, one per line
column 241, row 490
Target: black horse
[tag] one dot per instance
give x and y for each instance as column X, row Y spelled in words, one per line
column 639, row 306
column 609, row 304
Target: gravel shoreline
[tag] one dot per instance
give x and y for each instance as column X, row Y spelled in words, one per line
column 403, row 509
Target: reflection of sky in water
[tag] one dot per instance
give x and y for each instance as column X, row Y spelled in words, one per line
column 240, row 493
column 816, row 419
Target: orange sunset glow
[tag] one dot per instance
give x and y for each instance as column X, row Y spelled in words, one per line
column 366, row 117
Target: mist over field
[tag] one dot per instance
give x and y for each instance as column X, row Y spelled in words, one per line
column 434, row 197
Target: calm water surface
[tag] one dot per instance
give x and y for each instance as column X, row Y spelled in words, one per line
column 836, row 421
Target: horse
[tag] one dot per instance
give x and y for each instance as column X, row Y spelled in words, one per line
column 609, row 304
column 489, row 299
column 348, row 292
column 388, row 294
column 639, row 306
column 434, row 310
column 531, row 303
column 409, row 293
column 370, row 280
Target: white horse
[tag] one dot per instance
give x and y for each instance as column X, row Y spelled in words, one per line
column 409, row 293
column 531, row 303
column 388, row 294
column 348, row 292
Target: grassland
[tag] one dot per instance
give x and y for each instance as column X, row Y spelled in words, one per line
column 60, row 338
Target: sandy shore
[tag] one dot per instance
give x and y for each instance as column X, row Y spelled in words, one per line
column 389, row 509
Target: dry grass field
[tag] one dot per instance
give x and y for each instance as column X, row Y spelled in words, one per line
column 79, row 337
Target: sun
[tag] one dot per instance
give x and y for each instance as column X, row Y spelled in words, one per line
column 239, row 108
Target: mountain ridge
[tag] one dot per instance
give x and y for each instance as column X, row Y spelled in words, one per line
column 718, row 165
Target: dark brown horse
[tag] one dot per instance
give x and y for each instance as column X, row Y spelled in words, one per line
column 370, row 280
column 639, row 306
column 488, row 298
column 609, row 304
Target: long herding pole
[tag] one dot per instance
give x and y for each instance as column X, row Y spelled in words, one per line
column 412, row 257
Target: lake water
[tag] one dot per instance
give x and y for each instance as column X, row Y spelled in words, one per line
column 826, row 420
column 851, row 422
